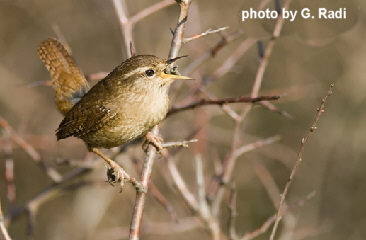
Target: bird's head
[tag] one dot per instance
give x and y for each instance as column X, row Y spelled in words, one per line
column 147, row 71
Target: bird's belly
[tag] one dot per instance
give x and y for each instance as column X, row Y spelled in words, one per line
column 115, row 136
column 128, row 126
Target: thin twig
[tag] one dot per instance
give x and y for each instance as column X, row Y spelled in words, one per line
column 181, row 185
column 230, row 161
column 265, row 226
column 257, row 144
column 208, row 31
column 223, row 101
column 230, row 164
column 304, row 140
column 150, row 10
column 4, row 235
column 267, row 180
column 234, row 58
column 125, row 24
column 225, row 40
column 270, row 106
column 178, row 144
column 264, row 62
column 36, row 157
column 9, row 168
column 48, row 193
column 205, row 211
column 232, row 214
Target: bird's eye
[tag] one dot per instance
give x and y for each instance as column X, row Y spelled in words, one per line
column 149, row 72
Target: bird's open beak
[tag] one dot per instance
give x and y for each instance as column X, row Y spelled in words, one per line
column 166, row 77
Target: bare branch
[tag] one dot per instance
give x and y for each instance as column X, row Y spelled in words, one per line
column 232, row 214
column 267, row 180
column 9, row 168
column 159, row 197
column 229, row 165
column 205, row 211
column 230, row 161
column 223, row 101
column 150, row 10
column 234, row 58
column 208, row 31
column 4, row 235
column 270, row 106
column 176, row 44
column 265, row 226
column 304, row 140
column 51, row 172
column 210, row 52
column 252, row 146
column 181, row 185
column 178, row 144
column 125, row 24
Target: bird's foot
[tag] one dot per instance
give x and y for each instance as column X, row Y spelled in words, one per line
column 117, row 174
column 155, row 140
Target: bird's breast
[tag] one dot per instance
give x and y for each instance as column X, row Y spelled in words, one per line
column 137, row 117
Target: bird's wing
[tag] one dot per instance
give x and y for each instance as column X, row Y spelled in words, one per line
column 80, row 121
column 67, row 79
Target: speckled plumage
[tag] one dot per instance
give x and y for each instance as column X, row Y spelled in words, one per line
column 123, row 106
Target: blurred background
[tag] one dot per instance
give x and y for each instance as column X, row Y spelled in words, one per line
column 307, row 57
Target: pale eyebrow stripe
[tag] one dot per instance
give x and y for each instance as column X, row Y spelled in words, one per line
column 137, row 70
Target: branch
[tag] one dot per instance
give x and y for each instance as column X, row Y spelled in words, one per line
column 234, row 58
column 150, row 10
column 210, row 52
column 273, row 108
column 176, row 44
column 208, row 31
column 264, row 61
column 4, row 235
column 178, row 144
column 230, row 161
column 229, row 165
column 181, row 185
column 159, row 197
column 304, row 140
column 9, row 168
column 127, row 23
column 220, row 102
column 232, row 214
column 51, row 172
column 265, row 226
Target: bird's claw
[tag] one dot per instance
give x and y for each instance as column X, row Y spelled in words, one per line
column 155, row 140
column 115, row 176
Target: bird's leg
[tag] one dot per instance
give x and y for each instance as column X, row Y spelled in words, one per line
column 116, row 173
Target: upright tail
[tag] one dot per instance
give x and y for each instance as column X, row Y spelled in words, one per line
column 68, row 81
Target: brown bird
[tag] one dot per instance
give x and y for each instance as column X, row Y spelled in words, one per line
column 123, row 106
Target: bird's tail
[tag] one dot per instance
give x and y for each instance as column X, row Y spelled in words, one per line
column 68, row 81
